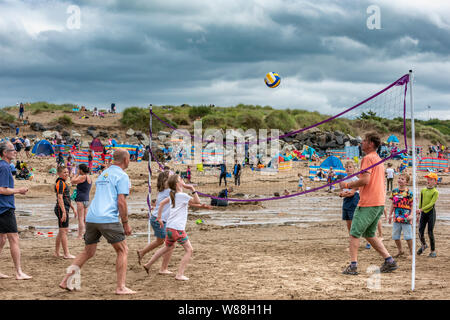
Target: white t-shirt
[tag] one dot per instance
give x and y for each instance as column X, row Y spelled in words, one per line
column 355, row 178
column 166, row 209
column 178, row 215
column 27, row 142
column 390, row 173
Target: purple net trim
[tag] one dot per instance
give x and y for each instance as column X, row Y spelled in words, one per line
column 294, row 194
column 401, row 81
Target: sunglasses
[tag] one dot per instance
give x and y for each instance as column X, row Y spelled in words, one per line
column 10, row 150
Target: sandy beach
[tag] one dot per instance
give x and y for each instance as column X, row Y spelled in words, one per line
column 282, row 250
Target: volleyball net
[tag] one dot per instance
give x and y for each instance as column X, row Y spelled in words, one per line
column 264, row 165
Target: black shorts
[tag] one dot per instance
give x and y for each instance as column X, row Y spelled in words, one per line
column 58, row 213
column 27, row 148
column 8, row 223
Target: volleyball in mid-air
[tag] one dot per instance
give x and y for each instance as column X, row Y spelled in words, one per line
column 272, row 80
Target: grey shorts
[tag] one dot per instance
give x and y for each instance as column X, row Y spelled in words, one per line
column 85, row 203
column 113, row 232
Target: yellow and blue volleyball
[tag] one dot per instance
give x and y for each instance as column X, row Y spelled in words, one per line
column 272, row 80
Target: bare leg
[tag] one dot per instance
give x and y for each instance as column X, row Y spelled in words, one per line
column 410, row 245
column 81, row 216
column 184, row 261
column 165, row 262
column 13, row 239
column 378, row 245
column 121, row 267
column 2, row 244
column 380, row 230
column 152, row 245
column 58, row 243
column 63, row 232
column 398, row 243
column 156, row 256
column 354, row 245
column 80, row 260
column 349, row 225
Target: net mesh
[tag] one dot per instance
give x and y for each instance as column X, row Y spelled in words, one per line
column 271, row 163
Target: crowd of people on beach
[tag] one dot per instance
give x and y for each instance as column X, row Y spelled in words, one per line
column 107, row 213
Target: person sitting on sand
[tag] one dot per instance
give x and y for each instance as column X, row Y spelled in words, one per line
column 62, row 208
column 112, row 188
column 160, row 233
column 176, row 222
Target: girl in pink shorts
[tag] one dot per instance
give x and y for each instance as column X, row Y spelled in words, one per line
column 176, row 222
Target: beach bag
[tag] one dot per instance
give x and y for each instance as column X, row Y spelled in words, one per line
column 74, row 195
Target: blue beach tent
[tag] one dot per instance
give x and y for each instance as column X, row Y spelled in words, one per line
column 393, row 138
column 43, row 147
column 333, row 162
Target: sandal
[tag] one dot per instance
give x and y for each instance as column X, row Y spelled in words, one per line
column 422, row 249
column 432, row 255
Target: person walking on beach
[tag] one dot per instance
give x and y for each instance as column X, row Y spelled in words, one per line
column 84, row 184
column 176, row 223
column 27, row 146
column 90, row 160
column 159, row 232
column 223, row 173
column 370, row 207
column 427, row 213
column 109, row 203
column 21, row 111
column 62, row 208
column 390, row 176
column 8, row 223
column 237, row 173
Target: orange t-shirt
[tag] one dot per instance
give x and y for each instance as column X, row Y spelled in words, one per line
column 373, row 194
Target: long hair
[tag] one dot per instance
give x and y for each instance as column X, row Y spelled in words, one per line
column 173, row 180
column 162, row 179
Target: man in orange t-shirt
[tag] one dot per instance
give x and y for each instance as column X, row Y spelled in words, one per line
column 370, row 207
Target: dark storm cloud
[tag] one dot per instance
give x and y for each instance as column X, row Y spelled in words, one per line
column 136, row 52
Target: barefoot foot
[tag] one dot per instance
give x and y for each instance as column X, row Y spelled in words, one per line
column 125, row 290
column 23, row 276
column 4, row 276
column 69, row 256
column 183, row 278
column 165, row 272
column 147, row 269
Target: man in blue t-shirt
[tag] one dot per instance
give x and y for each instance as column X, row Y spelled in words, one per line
column 102, row 219
column 8, row 223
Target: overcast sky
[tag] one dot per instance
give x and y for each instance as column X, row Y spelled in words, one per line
column 136, row 52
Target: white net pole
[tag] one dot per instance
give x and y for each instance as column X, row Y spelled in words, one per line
column 413, row 146
column 149, row 197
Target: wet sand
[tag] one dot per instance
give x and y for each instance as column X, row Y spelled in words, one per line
column 270, row 250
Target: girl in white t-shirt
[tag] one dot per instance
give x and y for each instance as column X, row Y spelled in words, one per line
column 159, row 232
column 176, row 222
